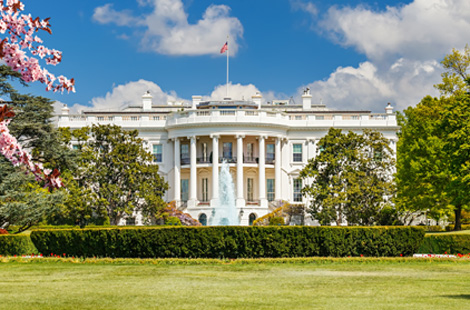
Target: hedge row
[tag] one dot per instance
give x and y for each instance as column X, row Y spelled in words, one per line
column 450, row 244
column 451, row 227
column 230, row 242
column 16, row 245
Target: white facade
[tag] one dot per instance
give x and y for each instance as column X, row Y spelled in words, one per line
column 266, row 146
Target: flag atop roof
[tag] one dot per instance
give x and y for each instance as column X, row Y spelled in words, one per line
column 224, row 48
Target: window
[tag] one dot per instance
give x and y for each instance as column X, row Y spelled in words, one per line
column 249, row 189
column 130, row 221
column 251, row 218
column 135, row 118
column 100, row 118
column 75, row 147
column 204, row 152
column 185, row 154
column 227, row 151
column 157, row 153
column 297, row 188
column 205, row 189
column 270, row 189
column 270, row 153
column 319, row 117
column 249, row 153
column 184, row 189
column 378, row 156
column 203, row 219
column 297, row 152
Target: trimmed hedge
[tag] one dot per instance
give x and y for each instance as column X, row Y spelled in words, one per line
column 440, row 244
column 230, row 242
column 16, row 245
column 451, row 227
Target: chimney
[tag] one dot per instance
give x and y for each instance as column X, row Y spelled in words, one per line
column 196, row 101
column 65, row 110
column 257, row 99
column 147, row 101
column 307, row 99
column 389, row 109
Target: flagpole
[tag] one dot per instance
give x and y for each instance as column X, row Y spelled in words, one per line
column 228, row 51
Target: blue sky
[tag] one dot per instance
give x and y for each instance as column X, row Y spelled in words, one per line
column 352, row 54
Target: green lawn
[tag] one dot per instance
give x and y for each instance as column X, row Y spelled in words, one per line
column 316, row 285
column 462, row 232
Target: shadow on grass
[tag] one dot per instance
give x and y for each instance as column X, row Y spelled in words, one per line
column 460, row 296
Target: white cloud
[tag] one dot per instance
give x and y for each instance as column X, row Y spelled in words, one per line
column 239, row 92
column 127, row 94
column 106, row 14
column 304, row 6
column 368, row 87
column 167, row 30
column 420, row 30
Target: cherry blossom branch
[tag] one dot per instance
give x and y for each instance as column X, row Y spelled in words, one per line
column 12, row 150
column 19, row 30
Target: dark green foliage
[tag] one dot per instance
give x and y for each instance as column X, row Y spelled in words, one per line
column 276, row 220
column 16, row 245
column 452, row 227
column 230, row 241
column 450, row 244
column 173, row 221
column 22, row 201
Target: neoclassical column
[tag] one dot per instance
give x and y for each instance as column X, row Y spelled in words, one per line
column 262, row 172
column 240, row 197
column 177, row 168
column 277, row 169
column 192, row 173
column 215, row 169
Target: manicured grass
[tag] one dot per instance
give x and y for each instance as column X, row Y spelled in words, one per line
column 462, row 232
column 294, row 284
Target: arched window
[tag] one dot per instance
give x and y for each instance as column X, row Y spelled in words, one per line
column 203, row 219
column 251, row 219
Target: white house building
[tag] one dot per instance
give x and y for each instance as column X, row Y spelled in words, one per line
column 265, row 145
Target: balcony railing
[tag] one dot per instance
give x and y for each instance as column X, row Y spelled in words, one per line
column 204, row 160
column 279, row 118
column 229, row 160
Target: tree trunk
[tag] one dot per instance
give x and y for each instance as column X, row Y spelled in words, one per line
column 458, row 217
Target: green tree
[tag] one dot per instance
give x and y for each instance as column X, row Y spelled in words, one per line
column 455, row 128
column 421, row 162
column 455, row 80
column 115, row 175
column 350, row 179
column 434, row 151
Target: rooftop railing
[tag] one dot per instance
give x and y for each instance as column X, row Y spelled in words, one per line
column 279, row 118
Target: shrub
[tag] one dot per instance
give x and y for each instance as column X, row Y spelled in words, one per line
column 435, row 228
column 440, row 244
column 16, row 245
column 276, row 221
column 231, row 241
column 451, row 227
column 173, row 220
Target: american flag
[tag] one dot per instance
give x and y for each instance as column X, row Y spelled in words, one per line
column 224, row 48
